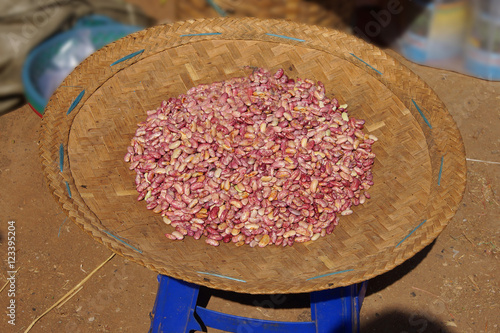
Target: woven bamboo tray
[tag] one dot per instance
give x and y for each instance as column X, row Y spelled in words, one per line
column 318, row 12
column 419, row 171
column 303, row 11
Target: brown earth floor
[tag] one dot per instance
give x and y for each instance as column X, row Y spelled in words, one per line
column 450, row 286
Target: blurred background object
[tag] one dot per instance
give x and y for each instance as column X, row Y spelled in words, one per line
column 24, row 24
column 437, row 34
column 377, row 21
column 50, row 62
column 459, row 35
column 482, row 50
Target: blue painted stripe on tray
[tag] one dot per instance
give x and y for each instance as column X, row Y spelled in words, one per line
column 61, row 157
column 203, row 34
column 440, row 170
column 76, row 101
column 286, row 37
column 418, row 226
column 131, row 55
column 222, row 276
column 329, row 274
column 121, row 240
column 215, row 6
column 68, row 189
column 367, row 64
column 422, row 114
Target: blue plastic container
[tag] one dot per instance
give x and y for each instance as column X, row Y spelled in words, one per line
column 100, row 31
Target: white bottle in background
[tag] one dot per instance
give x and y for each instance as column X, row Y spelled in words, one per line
column 482, row 53
column 437, row 34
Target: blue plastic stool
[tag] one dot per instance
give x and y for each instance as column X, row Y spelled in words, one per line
column 176, row 311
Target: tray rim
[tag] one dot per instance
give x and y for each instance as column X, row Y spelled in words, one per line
column 75, row 209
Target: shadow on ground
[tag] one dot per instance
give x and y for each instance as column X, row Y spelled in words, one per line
column 396, row 321
column 295, row 307
column 383, row 281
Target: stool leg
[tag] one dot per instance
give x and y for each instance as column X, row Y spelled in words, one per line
column 337, row 310
column 174, row 307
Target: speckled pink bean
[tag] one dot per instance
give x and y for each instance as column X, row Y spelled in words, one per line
column 212, row 242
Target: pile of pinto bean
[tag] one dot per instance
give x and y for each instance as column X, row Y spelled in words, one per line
column 254, row 160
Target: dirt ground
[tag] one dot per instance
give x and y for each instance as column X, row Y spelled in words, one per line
column 450, row 286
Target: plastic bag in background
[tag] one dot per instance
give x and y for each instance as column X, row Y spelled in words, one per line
column 25, row 24
column 53, row 60
column 69, row 55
